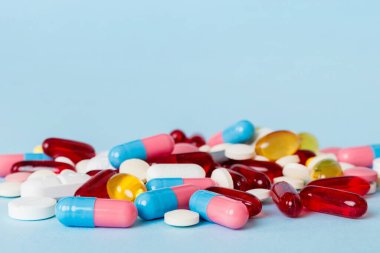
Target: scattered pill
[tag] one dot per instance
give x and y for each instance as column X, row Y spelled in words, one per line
column 31, row 208
column 223, row 178
column 261, row 194
column 175, row 170
column 10, row 189
column 158, row 183
column 240, row 132
column 288, row 159
column 135, row 167
column 359, row 156
column 181, row 218
column 125, row 187
column 7, row 161
column 239, row 152
column 63, row 159
column 287, row 199
column 296, row 171
column 297, row 184
column 17, row 177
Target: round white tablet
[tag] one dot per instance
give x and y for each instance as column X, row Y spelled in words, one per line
column 10, row 189
column 32, row 208
column 239, row 152
column 135, row 167
column 288, row 159
column 219, row 147
column 297, row 171
column 298, row 184
column 63, row 159
column 260, row 193
column 204, row 148
column 223, row 178
column 81, row 167
column 41, row 173
column 181, row 218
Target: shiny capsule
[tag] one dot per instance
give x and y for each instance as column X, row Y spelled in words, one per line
column 196, row 140
column 149, row 149
column 240, row 132
column 31, row 166
column 278, row 144
column 325, row 169
column 359, row 156
column 255, row 179
column 287, row 199
column 97, row 185
column 6, row 161
column 239, row 180
column 308, row 142
column 125, row 187
column 304, row 155
column 252, row 203
column 159, row 183
column 347, row 183
column 333, row 201
column 95, row 212
column 74, row 150
column 178, row 136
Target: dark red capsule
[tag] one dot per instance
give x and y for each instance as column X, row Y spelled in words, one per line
column 252, row 203
column 93, row 172
column 240, row 181
column 347, row 183
column 97, row 185
column 255, row 178
column 196, row 140
column 74, row 150
column 304, row 155
column 31, row 166
column 332, row 201
column 178, row 136
column 287, row 199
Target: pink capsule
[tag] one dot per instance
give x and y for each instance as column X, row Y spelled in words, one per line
column 359, row 156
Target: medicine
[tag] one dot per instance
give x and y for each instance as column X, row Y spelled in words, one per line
column 223, row 178
column 304, row 155
column 219, row 209
column 175, row 171
column 183, row 148
column 325, row 169
column 181, row 218
column 352, row 184
column 97, row 185
column 332, row 201
column 308, row 142
column 74, row 150
column 255, row 179
column 6, row 161
column 95, row 212
column 10, row 189
column 178, row 136
column 296, row 171
column 261, row 194
column 159, row 183
column 150, row 148
column 365, row 173
column 240, row 132
column 297, row 184
column 18, row 177
column 31, row 208
column 252, row 203
column 125, row 187
column 31, row 166
column 135, row 167
column 287, row 199
column 240, row 152
column 154, row 204
column 359, row 156
column 239, row 180
column 196, row 140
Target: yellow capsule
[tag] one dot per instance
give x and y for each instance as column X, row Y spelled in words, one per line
column 38, row 149
column 308, row 142
column 278, row 144
column 325, row 169
column 125, row 187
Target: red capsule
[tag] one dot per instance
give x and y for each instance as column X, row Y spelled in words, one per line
column 255, row 178
column 203, row 159
column 31, row 166
column 96, row 186
column 178, row 136
column 347, row 183
column 196, row 140
column 304, row 155
column 287, row 199
column 331, row 201
column 74, row 150
column 252, row 203
column 240, row 181
column 93, row 172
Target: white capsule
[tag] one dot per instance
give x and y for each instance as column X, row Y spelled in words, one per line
column 10, row 189
column 181, row 218
column 175, row 170
column 288, row 159
column 298, row 184
column 296, row 171
column 63, row 159
column 223, row 178
column 135, row 167
column 32, row 208
column 260, row 193
column 239, row 152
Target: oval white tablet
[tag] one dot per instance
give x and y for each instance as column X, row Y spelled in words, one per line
column 288, row 159
column 135, row 167
column 41, row 173
column 31, row 208
column 261, row 158
column 219, row 147
column 63, row 159
column 17, row 177
column 99, row 163
column 173, row 170
column 81, row 166
column 297, row 171
column 239, row 152
column 10, row 189
column 223, row 178
column 260, row 193
column 181, row 218
column 298, row 184
column 204, row 148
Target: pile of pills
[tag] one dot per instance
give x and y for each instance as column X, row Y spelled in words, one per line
column 183, row 180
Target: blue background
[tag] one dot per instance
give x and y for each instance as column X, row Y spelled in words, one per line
column 106, row 72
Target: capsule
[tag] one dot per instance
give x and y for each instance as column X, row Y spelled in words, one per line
column 174, row 171
column 178, row 136
column 150, row 148
column 304, row 155
column 332, row 201
column 125, row 187
column 325, row 169
column 255, row 179
column 74, row 150
column 308, row 142
column 95, row 212
column 219, row 209
column 239, row 180
column 183, row 148
column 97, row 185
column 159, row 183
column 287, row 199
column 196, row 140
column 31, row 166
column 359, row 156
column 154, row 204
column 252, row 203
column 347, row 183
column 367, row 174
column 6, row 161
column 240, row 132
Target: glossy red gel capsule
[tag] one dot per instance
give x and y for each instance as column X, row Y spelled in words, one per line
column 255, row 179
column 252, row 203
column 239, row 180
column 74, row 150
column 31, row 166
column 178, row 136
column 347, row 183
column 287, row 199
column 304, row 155
column 331, row 201
column 97, row 185
column 196, row 140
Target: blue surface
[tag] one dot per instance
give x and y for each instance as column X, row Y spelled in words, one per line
column 108, row 72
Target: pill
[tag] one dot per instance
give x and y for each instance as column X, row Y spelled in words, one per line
column 346, row 183
column 239, row 180
column 297, row 171
column 365, row 173
column 17, row 177
column 321, row 157
column 326, row 168
column 175, row 170
column 99, row 162
column 181, row 218
column 154, row 204
column 196, row 140
column 135, row 167
column 178, row 136
column 359, row 156
column 220, row 147
column 252, row 203
column 240, row 132
column 38, row 149
column 260, row 132
column 222, row 178
column 345, row 166
column 205, row 148
column 304, row 156
column 31, row 166
column 159, row 183
column 288, row 159
column 10, row 189
column 181, row 148
column 31, row 208
column 6, row 161
column 125, row 187
column 150, row 148
column 260, row 158
column 81, row 167
column 308, row 142
column 239, row 152
column 63, row 159
column 333, row 201
column 96, row 186
column 95, row 212
column 73, row 150
column 287, row 199
column 297, row 184
column 278, row 144
column 219, row 209
column 261, row 194
column 42, row 174
column 255, row 179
